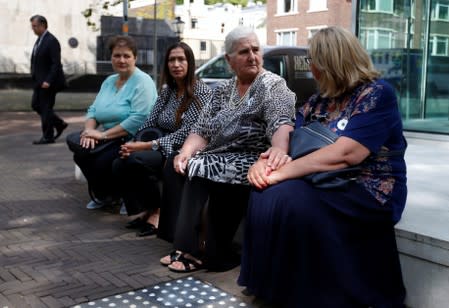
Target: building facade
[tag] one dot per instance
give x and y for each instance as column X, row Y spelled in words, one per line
column 65, row 21
column 292, row 22
column 207, row 25
column 408, row 41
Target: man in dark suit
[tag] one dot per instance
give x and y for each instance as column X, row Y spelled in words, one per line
column 48, row 79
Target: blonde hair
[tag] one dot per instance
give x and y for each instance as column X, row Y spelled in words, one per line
column 341, row 61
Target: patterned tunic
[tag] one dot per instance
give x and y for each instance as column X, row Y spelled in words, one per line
column 238, row 129
column 163, row 116
column 370, row 115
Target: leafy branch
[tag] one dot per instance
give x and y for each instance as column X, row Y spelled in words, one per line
column 99, row 7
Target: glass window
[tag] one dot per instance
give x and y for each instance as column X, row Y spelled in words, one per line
column 438, row 45
column 377, row 5
column 286, row 38
column 275, row 64
column 377, row 38
column 411, row 51
column 194, row 23
column 218, row 69
column 317, row 5
column 440, row 11
column 286, row 6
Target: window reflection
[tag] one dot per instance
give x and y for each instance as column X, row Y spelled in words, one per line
column 413, row 55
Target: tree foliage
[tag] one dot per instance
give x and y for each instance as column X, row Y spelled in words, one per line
column 101, row 7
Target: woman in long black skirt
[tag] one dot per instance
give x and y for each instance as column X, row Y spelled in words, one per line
column 307, row 246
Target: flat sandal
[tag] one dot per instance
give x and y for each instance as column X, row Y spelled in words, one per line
column 174, row 256
column 187, row 263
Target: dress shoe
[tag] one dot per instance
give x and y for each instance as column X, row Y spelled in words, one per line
column 147, row 230
column 60, row 129
column 44, row 141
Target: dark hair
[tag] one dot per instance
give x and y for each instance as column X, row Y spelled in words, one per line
column 189, row 80
column 41, row 19
column 123, row 41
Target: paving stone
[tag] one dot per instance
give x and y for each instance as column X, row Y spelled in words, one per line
column 53, row 251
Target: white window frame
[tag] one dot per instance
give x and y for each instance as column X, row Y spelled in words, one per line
column 435, row 40
column 377, row 7
column 436, row 12
column 312, row 30
column 293, row 33
column 317, row 5
column 373, row 36
column 280, row 10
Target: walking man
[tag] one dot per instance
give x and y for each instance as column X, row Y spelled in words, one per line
column 48, row 79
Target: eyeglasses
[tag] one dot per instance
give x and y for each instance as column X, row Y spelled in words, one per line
column 308, row 60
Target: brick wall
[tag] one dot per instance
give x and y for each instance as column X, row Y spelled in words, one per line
column 338, row 13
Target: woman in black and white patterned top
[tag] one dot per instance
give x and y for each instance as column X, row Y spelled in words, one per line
column 248, row 115
column 141, row 162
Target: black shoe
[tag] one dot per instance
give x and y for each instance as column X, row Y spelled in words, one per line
column 44, row 141
column 137, row 223
column 147, row 230
column 60, row 129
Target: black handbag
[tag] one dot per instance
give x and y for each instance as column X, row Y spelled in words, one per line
column 149, row 134
column 311, row 137
column 73, row 142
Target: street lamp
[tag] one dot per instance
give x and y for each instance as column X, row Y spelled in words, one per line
column 179, row 27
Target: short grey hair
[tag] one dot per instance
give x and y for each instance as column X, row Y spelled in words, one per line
column 235, row 35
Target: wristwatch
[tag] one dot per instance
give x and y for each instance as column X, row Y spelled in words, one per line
column 155, row 145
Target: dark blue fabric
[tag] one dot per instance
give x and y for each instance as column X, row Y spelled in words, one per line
column 373, row 119
column 306, row 247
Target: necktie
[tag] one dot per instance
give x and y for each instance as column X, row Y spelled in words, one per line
column 36, row 45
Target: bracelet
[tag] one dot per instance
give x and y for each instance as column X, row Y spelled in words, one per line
column 104, row 136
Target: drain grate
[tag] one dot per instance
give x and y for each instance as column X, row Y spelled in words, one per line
column 185, row 292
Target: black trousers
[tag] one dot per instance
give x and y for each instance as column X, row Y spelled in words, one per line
column 97, row 169
column 42, row 102
column 172, row 186
column 207, row 215
column 137, row 179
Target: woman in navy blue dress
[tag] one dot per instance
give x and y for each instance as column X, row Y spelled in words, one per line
column 313, row 247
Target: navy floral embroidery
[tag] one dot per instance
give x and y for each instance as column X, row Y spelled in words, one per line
column 377, row 172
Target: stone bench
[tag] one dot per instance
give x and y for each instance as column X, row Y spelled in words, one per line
column 423, row 232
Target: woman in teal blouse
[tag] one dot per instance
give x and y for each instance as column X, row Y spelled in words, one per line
column 120, row 108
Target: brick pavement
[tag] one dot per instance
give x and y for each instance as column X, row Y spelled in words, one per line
column 53, row 251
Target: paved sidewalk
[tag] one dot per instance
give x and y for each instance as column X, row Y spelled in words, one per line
column 53, row 251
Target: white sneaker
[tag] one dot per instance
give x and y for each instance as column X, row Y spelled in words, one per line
column 93, row 206
column 123, row 210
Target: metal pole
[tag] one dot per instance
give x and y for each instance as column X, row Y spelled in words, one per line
column 355, row 18
column 155, row 42
column 125, row 18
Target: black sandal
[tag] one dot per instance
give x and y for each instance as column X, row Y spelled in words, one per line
column 189, row 265
column 174, row 256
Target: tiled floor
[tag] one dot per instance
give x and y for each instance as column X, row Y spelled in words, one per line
column 184, row 292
